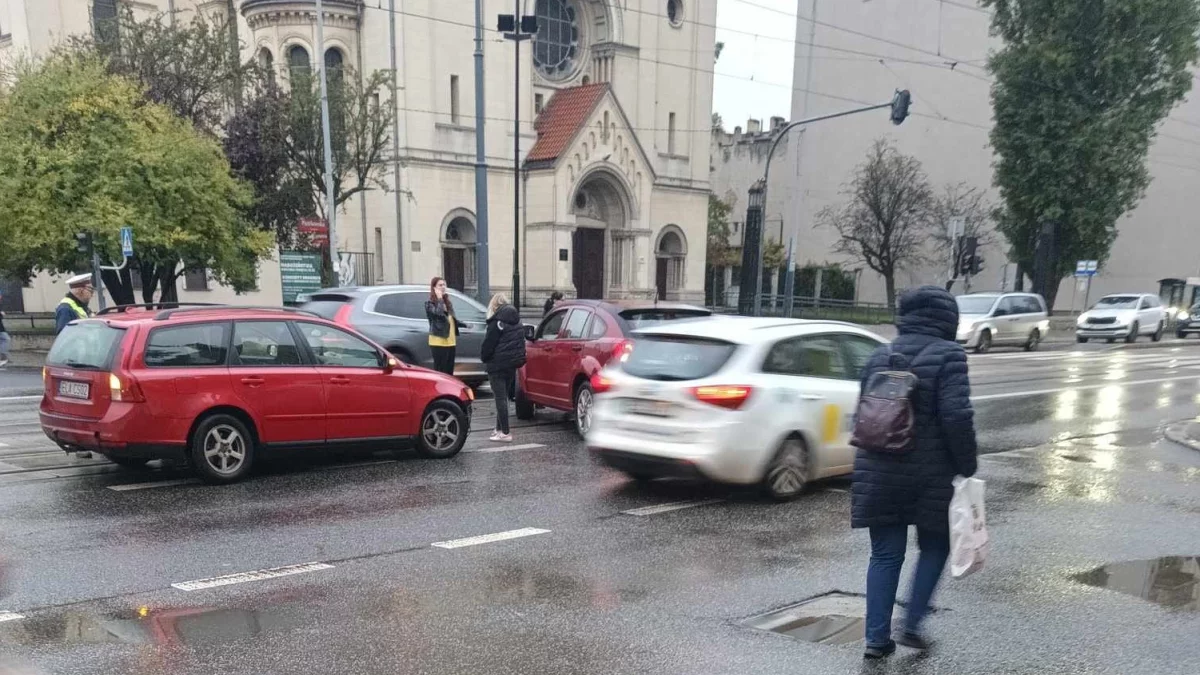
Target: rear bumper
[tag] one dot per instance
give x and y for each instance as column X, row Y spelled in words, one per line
column 725, row 453
column 648, row 465
column 120, row 433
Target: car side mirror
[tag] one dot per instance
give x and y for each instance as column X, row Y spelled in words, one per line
column 390, row 364
column 999, row 313
column 530, row 333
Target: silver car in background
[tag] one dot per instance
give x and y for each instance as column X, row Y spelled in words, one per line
column 394, row 316
column 991, row 319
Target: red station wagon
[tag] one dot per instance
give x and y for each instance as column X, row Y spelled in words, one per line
column 574, row 342
column 218, row 386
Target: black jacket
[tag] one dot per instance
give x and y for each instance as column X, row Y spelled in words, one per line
column 439, row 319
column 915, row 488
column 504, row 343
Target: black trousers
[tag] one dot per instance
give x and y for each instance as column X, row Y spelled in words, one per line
column 501, row 381
column 443, row 359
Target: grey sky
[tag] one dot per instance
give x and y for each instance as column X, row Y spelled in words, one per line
column 754, row 73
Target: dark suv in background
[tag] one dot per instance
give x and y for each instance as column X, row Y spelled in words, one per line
column 394, row 316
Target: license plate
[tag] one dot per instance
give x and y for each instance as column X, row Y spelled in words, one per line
column 74, row 389
column 649, row 408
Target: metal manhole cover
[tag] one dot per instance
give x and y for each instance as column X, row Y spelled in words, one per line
column 831, row 619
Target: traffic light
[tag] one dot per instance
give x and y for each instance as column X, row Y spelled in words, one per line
column 976, row 264
column 83, row 243
column 900, row 103
column 968, row 259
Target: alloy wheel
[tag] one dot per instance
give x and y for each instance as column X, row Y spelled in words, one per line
column 583, row 409
column 225, row 449
column 789, row 474
column 440, row 429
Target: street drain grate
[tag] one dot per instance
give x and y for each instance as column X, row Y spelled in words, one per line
column 831, row 619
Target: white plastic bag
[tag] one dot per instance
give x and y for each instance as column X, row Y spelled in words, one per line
column 968, row 528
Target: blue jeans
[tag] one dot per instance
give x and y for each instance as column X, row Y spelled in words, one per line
column 883, row 578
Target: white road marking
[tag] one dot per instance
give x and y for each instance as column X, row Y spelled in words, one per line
column 672, row 506
column 10, row 616
column 21, row 398
column 3, row 445
column 1081, row 387
column 245, row 577
column 489, row 538
column 500, row 447
column 156, row 484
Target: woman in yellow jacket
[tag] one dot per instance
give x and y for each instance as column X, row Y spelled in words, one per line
column 443, row 329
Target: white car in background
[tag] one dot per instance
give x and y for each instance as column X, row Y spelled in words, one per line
column 1123, row 316
column 743, row 401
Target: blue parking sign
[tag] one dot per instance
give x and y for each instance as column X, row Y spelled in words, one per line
column 127, row 242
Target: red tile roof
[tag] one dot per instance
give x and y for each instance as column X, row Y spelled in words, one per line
column 561, row 119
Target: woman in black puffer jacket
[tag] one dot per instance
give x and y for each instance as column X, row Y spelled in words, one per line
column 893, row 491
column 503, row 352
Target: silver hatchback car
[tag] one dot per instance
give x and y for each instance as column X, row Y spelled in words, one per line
column 394, row 317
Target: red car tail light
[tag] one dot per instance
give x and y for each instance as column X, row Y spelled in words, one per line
column 342, row 318
column 601, row 384
column 621, row 350
column 730, row 397
column 124, row 388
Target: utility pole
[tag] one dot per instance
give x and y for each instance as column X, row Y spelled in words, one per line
column 395, row 145
column 517, row 28
column 482, row 273
column 899, row 105
column 330, row 207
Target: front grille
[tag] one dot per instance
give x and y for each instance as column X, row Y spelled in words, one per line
column 1101, row 320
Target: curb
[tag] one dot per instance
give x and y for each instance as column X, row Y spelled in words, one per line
column 1178, row 433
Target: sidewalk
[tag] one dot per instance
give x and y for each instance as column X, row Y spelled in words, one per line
column 1186, row 433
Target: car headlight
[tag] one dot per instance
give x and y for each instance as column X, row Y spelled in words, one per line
column 1081, row 320
column 1183, row 315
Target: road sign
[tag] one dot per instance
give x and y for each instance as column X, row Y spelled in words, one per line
column 300, row 272
column 957, row 226
column 127, row 242
column 1086, row 268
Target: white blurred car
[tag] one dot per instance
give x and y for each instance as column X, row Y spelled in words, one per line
column 1124, row 316
column 743, row 401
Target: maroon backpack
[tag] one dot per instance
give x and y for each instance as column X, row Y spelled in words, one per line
column 885, row 418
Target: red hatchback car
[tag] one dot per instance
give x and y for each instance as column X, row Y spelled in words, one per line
column 217, row 387
column 576, row 340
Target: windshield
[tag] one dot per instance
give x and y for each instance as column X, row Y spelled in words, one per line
column 1118, row 302
column 653, row 316
column 86, row 345
column 975, row 304
column 675, row 359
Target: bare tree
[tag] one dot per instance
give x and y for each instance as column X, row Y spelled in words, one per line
column 888, row 215
column 961, row 200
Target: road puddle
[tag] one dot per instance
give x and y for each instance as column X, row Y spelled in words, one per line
column 146, row 626
column 1170, row 581
column 832, row 619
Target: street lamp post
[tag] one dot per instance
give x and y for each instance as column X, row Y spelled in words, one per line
column 482, row 271
column 899, row 105
column 327, row 144
column 517, row 28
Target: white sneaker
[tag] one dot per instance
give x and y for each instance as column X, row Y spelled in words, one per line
column 502, row 438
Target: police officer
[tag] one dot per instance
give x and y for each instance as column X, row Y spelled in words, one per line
column 75, row 304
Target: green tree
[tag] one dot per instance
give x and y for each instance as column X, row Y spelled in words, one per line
column 1080, row 88
column 82, row 151
column 718, row 253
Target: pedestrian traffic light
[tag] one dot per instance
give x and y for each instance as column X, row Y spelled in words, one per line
column 900, row 103
column 83, row 242
column 976, row 264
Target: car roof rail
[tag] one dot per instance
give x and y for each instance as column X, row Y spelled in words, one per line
column 154, row 305
column 167, row 314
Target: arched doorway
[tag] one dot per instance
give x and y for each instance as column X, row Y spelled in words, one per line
column 458, row 250
column 670, row 261
column 601, row 220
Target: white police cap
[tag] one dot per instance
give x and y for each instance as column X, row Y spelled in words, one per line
column 79, row 280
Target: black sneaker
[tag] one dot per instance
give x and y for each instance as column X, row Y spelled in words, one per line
column 913, row 640
column 879, row 652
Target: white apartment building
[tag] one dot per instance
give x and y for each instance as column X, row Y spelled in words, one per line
column 614, row 100
column 850, row 54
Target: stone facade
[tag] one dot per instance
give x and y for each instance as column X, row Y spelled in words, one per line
column 636, row 175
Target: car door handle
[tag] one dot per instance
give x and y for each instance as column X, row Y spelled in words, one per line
column 339, row 379
column 253, row 381
column 811, row 397
column 577, row 348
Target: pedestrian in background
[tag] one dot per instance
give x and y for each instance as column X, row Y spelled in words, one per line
column 443, row 329
column 555, row 298
column 5, row 341
column 891, row 491
column 75, row 304
column 503, row 352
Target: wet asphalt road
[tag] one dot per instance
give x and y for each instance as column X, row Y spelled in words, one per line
column 1077, row 478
